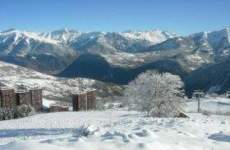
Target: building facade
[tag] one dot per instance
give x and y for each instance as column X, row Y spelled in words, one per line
column 84, row 101
column 9, row 98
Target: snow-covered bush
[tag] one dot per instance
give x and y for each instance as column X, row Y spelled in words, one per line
column 100, row 104
column 7, row 113
column 18, row 112
column 158, row 95
column 24, row 111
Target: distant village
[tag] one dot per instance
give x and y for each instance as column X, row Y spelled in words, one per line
column 83, row 100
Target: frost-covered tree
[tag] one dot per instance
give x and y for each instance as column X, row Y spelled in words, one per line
column 24, row 111
column 157, row 94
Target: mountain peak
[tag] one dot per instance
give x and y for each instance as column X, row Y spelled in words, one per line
column 64, row 35
column 8, row 30
column 20, row 35
column 203, row 35
column 64, row 30
column 154, row 36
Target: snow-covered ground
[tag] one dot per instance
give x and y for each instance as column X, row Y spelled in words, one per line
column 110, row 129
column 213, row 105
column 115, row 130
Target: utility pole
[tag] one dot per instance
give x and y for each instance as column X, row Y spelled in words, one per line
column 198, row 94
column 198, row 98
column 86, row 102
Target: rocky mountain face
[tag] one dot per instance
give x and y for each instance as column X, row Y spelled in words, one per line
column 96, row 67
column 34, row 51
column 192, row 57
column 198, row 49
column 54, row 51
column 214, row 78
column 114, row 56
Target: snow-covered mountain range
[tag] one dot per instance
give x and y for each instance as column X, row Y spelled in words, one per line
column 69, row 35
column 64, row 51
column 34, row 51
column 52, row 52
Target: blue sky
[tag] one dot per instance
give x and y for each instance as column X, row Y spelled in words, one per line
column 180, row 16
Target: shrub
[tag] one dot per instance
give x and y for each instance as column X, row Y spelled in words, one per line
column 18, row 112
column 24, row 111
column 6, row 113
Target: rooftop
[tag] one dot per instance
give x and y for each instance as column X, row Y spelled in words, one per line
column 3, row 87
column 21, row 91
column 84, row 91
